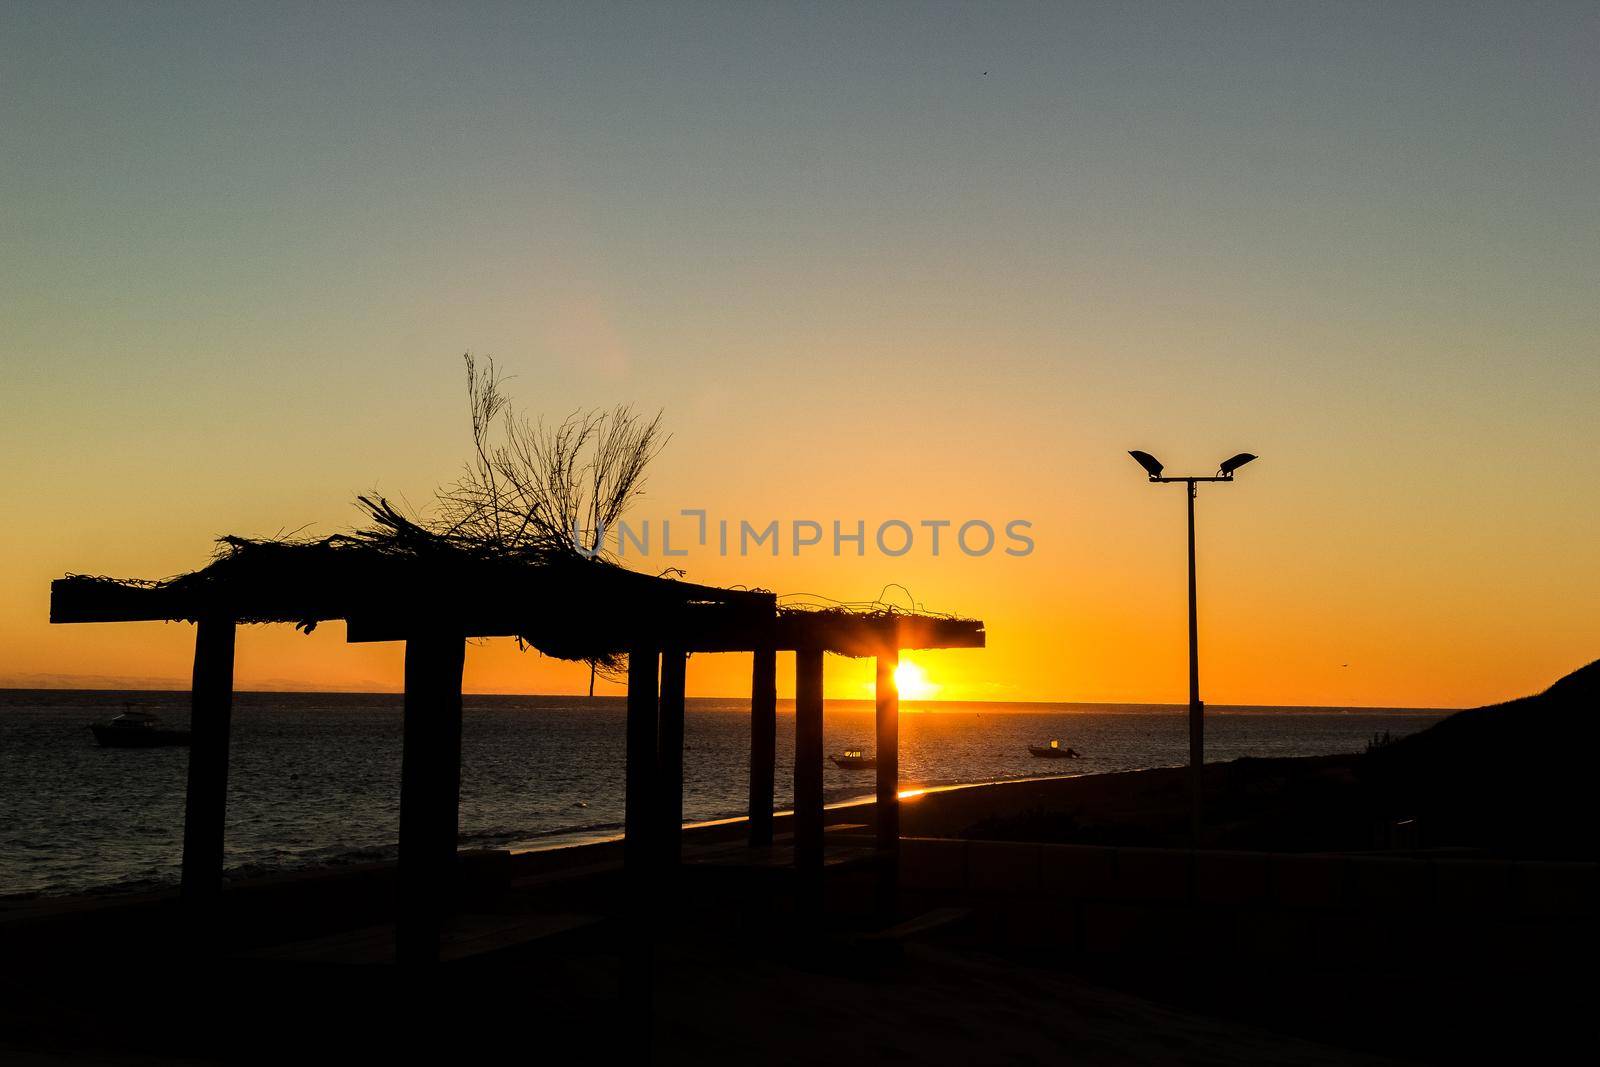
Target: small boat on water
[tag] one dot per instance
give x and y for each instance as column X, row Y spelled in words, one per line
column 1054, row 751
column 854, row 757
column 137, row 729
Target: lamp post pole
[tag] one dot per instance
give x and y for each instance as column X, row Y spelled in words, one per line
column 1197, row 719
column 1197, row 722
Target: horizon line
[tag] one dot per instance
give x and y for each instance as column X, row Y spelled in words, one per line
column 742, row 696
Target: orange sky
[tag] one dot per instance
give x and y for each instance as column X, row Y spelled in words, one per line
column 864, row 280
column 1291, row 588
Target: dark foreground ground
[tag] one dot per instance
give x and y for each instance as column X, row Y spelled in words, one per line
column 715, row 1001
column 729, row 973
column 725, row 983
column 724, row 970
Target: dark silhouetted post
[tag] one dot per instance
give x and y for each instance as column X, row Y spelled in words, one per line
column 430, row 791
column 640, row 841
column 641, row 794
column 669, row 746
column 808, row 773
column 763, row 743
column 1197, row 717
column 888, row 754
column 206, row 805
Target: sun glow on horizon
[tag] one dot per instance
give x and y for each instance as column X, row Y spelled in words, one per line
column 912, row 682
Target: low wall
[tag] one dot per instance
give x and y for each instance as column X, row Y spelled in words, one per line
column 1412, row 912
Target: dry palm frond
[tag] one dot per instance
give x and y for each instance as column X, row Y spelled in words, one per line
column 532, row 492
column 544, row 488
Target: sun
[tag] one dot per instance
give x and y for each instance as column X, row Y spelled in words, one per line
column 913, row 682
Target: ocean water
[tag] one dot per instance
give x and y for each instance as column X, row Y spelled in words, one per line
column 315, row 778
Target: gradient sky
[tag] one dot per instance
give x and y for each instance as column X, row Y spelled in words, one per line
column 873, row 261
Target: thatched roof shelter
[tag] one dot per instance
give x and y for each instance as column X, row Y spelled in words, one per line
column 400, row 582
column 564, row 605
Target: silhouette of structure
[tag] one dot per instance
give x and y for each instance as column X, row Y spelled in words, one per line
column 435, row 596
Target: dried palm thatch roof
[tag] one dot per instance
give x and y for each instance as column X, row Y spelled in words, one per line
column 396, row 577
column 871, row 630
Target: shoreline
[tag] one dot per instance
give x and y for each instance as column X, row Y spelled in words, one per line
column 939, row 810
column 1130, row 806
column 555, row 841
column 577, row 839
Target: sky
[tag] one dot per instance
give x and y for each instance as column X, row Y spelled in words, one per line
column 872, row 262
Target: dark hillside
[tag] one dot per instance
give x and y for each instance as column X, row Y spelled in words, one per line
column 1516, row 778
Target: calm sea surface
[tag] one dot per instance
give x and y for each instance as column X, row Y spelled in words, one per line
column 315, row 778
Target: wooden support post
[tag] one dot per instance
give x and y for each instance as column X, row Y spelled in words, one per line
column 888, row 753
column 808, row 764
column 888, row 791
column 763, row 743
column 430, row 792
column 206, row 805
column 669, row 749
column 640, row 841
column 640, row 798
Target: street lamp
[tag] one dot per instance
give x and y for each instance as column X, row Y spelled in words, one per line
column 1197, row 743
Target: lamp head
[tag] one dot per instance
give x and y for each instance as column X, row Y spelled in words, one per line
column 1233, row 463
column 1151, row 464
